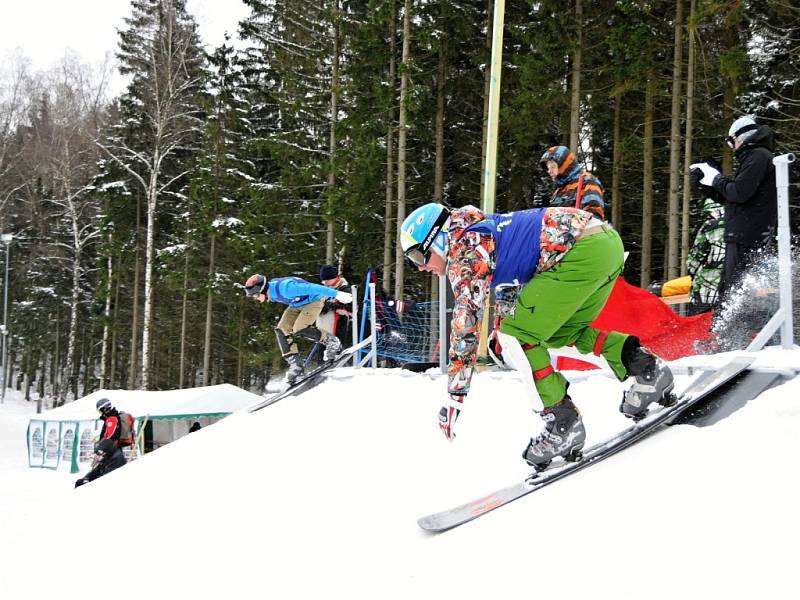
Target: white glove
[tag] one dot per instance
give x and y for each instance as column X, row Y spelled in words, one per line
column 344, row 297
column 709, row 172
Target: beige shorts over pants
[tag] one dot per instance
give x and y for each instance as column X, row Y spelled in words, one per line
column 297, row 318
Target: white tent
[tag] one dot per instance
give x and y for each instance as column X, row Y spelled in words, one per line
column 64, row 437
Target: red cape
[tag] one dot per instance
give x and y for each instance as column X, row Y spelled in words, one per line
column 635, row 311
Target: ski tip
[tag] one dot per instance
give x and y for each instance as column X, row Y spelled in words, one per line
column 433, row 526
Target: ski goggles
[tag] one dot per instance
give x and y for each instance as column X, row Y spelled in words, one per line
column 420, row 254
column 417, row 256
column 731, row 139
column 255, row 288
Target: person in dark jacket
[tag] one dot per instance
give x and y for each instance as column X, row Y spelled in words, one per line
column 749, row 198
column 111, row 427
column 335, row 316
column 107, row 458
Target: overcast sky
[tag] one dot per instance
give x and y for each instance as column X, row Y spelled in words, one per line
column 44, row 29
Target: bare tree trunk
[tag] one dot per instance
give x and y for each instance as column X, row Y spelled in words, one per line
column 182, row 359
column 673, row 231
column 487, row 78
column 57, row 393
column 113, row 367
column 329, row 250
column 389, row 237
column 72, row 335
column 647, row 192
column 575, row 93
column 616, row 169
column 133, row 367
column 438, row 183
column 687, row 157
column 152, row 202
column 239, row 345
column 438, row 169
column 104, row 352
column 401, row 148
column 87, row 357
column 209, row 312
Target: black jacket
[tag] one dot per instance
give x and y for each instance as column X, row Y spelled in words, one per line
column 112, row 461
column 111, row 425
column 750, row 197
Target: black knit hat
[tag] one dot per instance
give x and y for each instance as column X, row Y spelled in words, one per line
column 328, row 272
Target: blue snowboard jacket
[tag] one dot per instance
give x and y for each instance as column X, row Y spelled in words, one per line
column 295, row 291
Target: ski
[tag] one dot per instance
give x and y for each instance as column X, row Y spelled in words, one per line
column 306, row 382
column 704, row 384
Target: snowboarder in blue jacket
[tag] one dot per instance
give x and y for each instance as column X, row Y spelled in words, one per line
column 305, row 301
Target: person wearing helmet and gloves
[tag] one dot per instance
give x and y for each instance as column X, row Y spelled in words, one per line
column 305, row 302
column 107, row 457
column 565, row 262
column 749, row 197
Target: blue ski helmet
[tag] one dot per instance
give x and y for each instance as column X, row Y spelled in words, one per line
column 424, row 230
column 103, row 405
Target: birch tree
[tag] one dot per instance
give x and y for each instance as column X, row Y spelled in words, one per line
column 160, row 51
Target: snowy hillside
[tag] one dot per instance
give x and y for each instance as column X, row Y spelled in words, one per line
column 317, row 497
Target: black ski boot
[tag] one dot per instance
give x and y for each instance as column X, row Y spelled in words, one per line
column 653, row 380
column 563, row 435
column 295, row 369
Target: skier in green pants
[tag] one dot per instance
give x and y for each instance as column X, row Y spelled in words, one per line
column 552, row 270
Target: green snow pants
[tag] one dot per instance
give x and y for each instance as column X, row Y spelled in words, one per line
column 555, row 307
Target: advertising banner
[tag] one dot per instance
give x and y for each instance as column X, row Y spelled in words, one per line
column 52, row 446
column 35, row 444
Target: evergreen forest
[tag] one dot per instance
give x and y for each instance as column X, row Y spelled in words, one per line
column 312, row 131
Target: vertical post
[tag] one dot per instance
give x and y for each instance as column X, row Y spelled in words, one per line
column 492, row 121
column 354, row 322
column 443, row 341
column 784, row 248
column 374, row 320
column 6, row 239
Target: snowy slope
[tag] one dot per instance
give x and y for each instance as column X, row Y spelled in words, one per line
column 317, row 496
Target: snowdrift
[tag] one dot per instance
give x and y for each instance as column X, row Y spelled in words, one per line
column 318, row 496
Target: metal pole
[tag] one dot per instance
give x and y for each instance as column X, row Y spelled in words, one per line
column 354, row 323
column 374, row 321
column 443, row 341
column 7, row 239
column 783, row 318
column 784, row 247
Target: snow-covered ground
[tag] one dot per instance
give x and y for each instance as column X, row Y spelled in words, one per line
column 317, row 496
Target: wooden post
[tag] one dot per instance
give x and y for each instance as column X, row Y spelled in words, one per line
column 490, row 169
